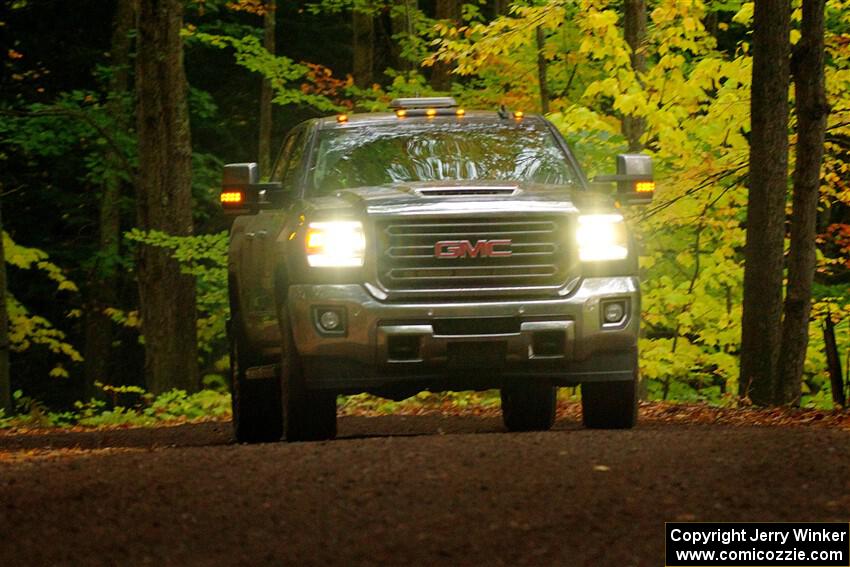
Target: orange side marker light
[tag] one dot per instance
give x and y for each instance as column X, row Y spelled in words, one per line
column 231, row 197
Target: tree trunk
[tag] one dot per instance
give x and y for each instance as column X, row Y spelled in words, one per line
column 833, row 363
column 265, row 142
column 635, row 31
column 102, row 294
column 762, row 317
column 364, row 48
column 104, row 281
column 441, row 73
column 541, row 70
column 166, row 297
column 807, row 67
column 5, row 376
column 402, row 25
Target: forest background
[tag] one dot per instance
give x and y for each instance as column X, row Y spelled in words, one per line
column 69, row 162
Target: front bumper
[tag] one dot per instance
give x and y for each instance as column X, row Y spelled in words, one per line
column 465, row 345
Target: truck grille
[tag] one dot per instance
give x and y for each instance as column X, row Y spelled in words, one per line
column 408, row 256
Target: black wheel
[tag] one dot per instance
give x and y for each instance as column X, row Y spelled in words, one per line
column 529, row 407
column 308, row 415
column 257, row 411
column 609, row 405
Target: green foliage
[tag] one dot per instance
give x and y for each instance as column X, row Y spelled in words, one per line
column 204, row 257
column 66, row 146
column 366, row 403
column 75, row 132
column 280, row 71
column 177, row 404
column 695, row 101
column 32, row 258
column 206, row 182
column 144, row 409
column 78, row 120
column 378, row 99
column 27, row 329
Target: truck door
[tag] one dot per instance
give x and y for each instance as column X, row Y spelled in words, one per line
column 271, row 222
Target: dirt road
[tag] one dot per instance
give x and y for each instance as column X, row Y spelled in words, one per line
column 404, row 491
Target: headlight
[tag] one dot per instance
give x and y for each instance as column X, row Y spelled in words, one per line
column 602, row 237
column 335, row 244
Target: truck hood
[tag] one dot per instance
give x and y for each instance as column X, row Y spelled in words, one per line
column 462, row 198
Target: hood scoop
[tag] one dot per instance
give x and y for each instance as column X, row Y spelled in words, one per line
column 470, row 191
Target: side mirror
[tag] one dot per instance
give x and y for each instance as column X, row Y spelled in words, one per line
column 241, row 190
column 635, row 184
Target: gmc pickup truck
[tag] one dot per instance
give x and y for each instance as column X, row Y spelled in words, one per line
column 430, row 248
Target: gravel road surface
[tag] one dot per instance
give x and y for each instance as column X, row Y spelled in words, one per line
column 398, row 490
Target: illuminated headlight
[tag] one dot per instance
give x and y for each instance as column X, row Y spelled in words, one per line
column 335, row 244
column 602, row 237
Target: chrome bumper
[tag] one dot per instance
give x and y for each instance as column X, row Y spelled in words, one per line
column 364, row 354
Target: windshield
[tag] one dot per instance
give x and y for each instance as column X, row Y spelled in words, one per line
column 397, row 153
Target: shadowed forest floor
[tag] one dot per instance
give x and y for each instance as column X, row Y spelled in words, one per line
column 426, row 489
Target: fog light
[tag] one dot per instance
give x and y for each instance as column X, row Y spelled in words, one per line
column 330, row 320
column 614, row 311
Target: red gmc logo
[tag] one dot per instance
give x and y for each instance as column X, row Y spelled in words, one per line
column 465, row 249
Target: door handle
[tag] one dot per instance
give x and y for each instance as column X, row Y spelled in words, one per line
column 259, row 234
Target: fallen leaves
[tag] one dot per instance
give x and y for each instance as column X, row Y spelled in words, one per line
column 705, row 414
column 18, row 456
column 480, row 405
column 650, row 412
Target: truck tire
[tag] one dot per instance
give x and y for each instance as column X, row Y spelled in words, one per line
column 609, row 405
column 311, row 419
column 529, row 407
column 257, row 412
column 308, row 415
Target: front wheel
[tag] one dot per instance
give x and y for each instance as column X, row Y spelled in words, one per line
column 529, row 407
column 609, row 405
column 308, row 415
column 256, row 403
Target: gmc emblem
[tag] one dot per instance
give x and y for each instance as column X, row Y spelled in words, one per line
column 465, row 249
